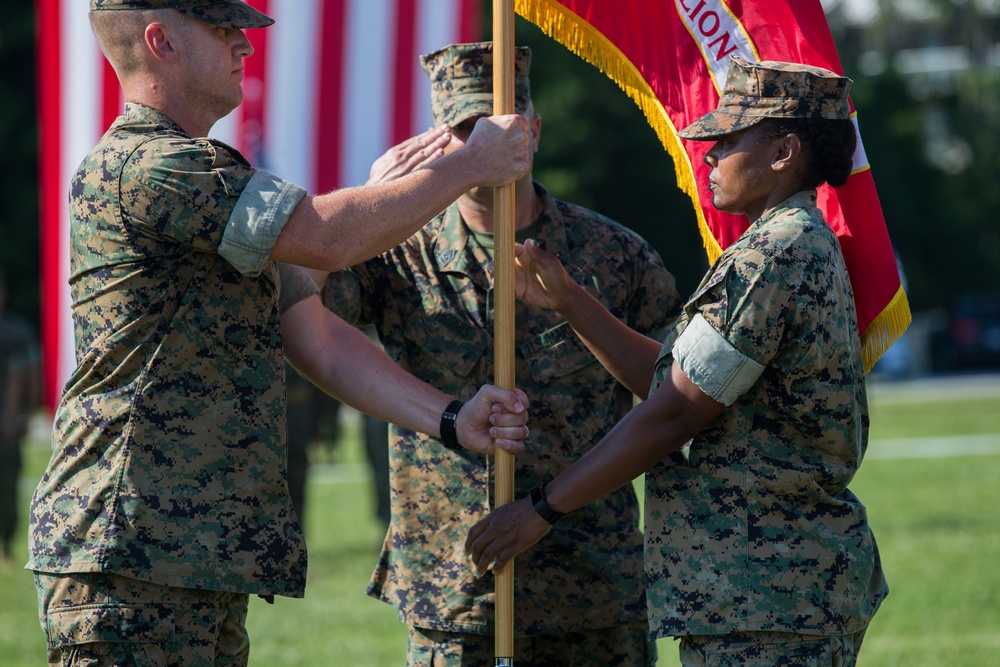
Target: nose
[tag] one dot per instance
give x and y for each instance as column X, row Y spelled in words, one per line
column 710, row 158
column 241, row 44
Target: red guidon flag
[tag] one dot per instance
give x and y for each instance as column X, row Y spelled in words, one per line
column 672, row 56
column 330, row 86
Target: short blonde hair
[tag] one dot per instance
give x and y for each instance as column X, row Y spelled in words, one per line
column 121, row 35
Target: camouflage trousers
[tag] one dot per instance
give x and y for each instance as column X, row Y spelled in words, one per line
column 104, row 620
column 622, row 646
column 771, row 649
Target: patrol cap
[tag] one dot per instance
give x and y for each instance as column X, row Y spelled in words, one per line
column 225, row 13
column 770, row 89
column 462, row 81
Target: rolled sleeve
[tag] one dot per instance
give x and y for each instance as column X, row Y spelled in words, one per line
column 713, row 363
column 260, row 214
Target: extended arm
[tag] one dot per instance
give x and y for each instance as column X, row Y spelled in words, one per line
column 627, row 354
column 347, row 226
column 674, row 414
column 341, row 361
column 405, row 157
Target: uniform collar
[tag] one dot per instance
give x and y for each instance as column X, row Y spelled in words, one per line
column 140, row 113
column 456, row 250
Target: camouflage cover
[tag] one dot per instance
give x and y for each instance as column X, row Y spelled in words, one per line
column 771, row 89
column 431, row 302
column 754, row 529
column 169, row 445
column 225, row 13
column 462, row 81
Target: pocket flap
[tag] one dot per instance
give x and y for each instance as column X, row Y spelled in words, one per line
column 85, row 624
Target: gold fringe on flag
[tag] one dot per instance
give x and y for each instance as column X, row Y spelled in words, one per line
column 885, row 329
column 567, row 28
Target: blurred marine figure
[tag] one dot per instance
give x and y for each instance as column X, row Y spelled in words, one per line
column 579, row 594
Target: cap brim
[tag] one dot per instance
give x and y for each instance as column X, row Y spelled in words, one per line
column 717, row 124
column 464, row 107
column 236, row 14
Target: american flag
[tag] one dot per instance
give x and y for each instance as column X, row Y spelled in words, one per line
column 331, row 85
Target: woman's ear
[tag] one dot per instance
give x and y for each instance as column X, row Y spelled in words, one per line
column 787, row 151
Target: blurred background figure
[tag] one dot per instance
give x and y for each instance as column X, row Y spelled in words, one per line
column 20, row 389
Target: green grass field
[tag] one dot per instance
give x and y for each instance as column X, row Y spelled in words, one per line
column 931, row 484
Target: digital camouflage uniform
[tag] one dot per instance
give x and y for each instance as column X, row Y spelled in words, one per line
column 757, row 553
column 579, row 593
column 228, row 13
column 431, row 302
column 753, row 527
column 462, row 81
column 169, row 446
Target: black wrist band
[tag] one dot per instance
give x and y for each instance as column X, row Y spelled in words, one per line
column 542, row 506
column 449, row 435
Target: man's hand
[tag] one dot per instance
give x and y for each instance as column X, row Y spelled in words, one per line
column 504, row 533
column 493, row 415
column 500, row 148
column 408, row 156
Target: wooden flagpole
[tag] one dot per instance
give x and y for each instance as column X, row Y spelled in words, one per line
column 503, row 292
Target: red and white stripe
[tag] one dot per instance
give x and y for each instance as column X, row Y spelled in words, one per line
column 331, row 85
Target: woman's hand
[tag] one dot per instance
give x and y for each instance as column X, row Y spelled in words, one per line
column 504, row 533
column 540, row 278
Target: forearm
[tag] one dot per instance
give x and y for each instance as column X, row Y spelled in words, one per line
column 344, row 227
column 347, row 226
column 357, row 372
column 640, row 440
column 626, row 353
column 675, row 413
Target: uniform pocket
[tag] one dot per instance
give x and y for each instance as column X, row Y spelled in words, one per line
column 555, row 353
column 449, row 340
column 119, row 623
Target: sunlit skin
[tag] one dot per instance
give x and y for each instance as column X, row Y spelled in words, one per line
column 751, row 173
column 216, row 66
column 476, row 205
column 206, row 71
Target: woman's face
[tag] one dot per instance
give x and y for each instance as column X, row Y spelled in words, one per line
column 742, row 179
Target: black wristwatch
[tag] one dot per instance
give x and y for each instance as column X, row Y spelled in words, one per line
column 542, row 506
column 449, row 433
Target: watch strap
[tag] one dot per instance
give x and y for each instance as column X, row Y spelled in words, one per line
column 542, row 506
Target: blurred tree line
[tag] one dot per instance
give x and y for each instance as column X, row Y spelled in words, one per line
column 927, row 90
column 19, row 142
column 932, row 138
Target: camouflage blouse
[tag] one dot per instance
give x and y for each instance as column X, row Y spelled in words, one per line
column 168, row 459
column 753, row 528
column 431, row 302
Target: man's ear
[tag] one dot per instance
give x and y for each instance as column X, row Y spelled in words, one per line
column 787, row 152
column 159, row 42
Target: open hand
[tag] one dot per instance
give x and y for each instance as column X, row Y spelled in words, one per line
column 410, row 155
column 540, row 279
